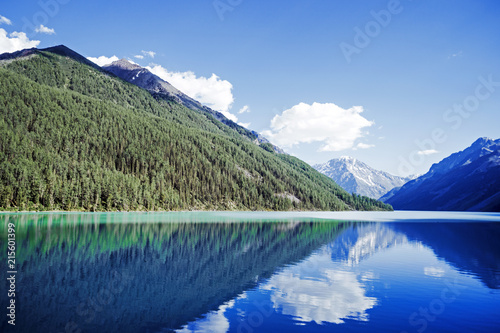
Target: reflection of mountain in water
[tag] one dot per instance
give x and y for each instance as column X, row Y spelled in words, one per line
column 360, row 241
column 152, row 275
column 470, row 247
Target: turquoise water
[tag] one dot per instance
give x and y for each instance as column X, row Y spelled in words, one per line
column 254, row 272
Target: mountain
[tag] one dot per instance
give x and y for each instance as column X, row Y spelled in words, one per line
column 390, row 194
column 76, row 137
column 160, row 88
column 355, row 176
column 466, row 180
column 143, row 78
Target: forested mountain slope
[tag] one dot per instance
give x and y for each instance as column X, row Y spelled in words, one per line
column 161, row 89
column 75, row 137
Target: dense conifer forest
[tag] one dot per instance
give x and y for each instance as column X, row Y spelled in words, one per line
column 73, row 137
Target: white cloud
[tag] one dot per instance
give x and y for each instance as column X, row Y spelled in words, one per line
column 335, row 127
column 103, row 60
column 244, row 109
column 428, row 152
column 246, row 125
column 212, row 92
column 139, row 56
column 229, row 116
column 44, row 30
column 362, row 145
column 15, row 41
column 455, row 55
column 4, row 20
column 149, row 53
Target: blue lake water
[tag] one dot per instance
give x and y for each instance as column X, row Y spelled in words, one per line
column 254, row 272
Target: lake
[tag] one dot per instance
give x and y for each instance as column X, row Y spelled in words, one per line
column 253, row 272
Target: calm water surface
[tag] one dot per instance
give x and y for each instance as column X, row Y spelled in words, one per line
column 254, row 272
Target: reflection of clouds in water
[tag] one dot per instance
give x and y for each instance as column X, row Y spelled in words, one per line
column 434, row 271
column 332, row 296
column 318, row 289
column 368, row 276
column 213, row 322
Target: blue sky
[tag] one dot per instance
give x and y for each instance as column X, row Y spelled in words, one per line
column 398, row 84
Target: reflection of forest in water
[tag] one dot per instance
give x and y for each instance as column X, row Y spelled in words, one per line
column 179, row 270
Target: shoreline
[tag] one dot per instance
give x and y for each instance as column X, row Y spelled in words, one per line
column 263, row 216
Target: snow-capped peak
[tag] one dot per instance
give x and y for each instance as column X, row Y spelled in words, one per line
column 357, row 177
column 347, row 158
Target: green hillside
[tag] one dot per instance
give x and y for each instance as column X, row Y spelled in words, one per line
column 73, row 137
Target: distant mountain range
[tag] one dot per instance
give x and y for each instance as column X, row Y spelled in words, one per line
column 466, row 180
column 79, row 136
column 357, row 177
